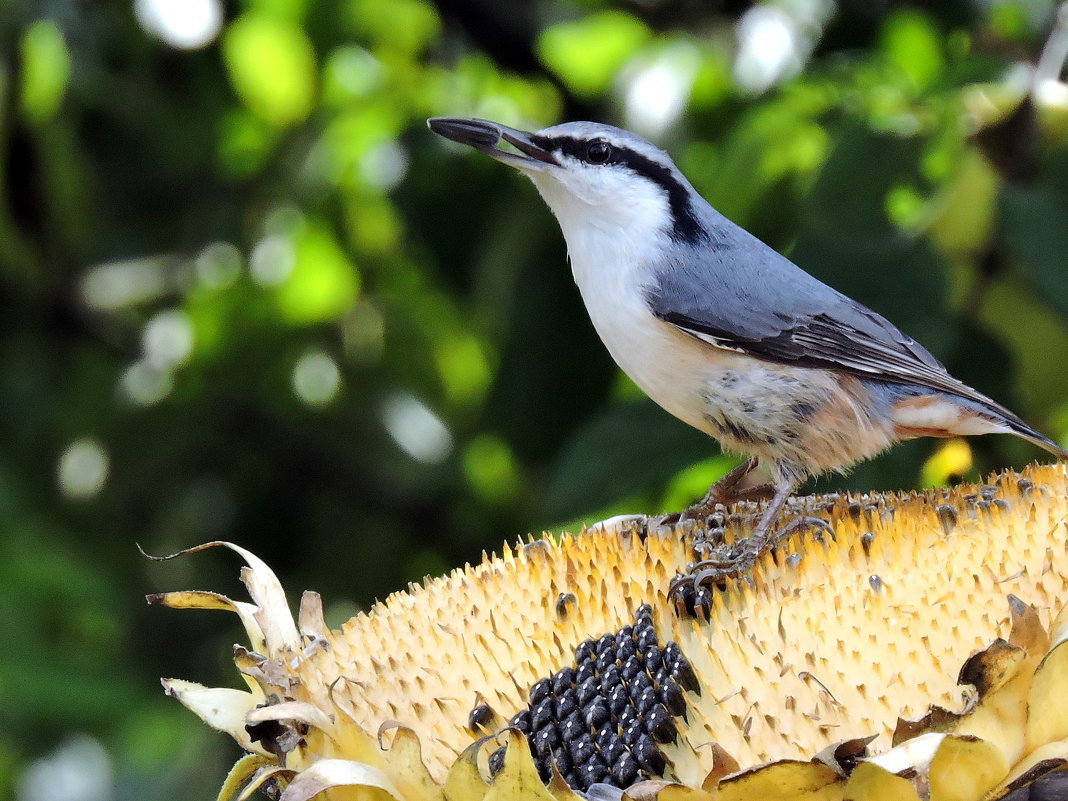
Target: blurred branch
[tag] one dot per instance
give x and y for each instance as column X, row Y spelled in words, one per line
column 1055, row 51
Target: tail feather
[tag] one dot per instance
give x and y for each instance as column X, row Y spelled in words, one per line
column 942, row 414
column 1025, row 431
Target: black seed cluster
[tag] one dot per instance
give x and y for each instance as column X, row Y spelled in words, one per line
column 604, row 718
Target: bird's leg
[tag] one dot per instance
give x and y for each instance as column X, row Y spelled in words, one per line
column 749, row 549
column 725, row 491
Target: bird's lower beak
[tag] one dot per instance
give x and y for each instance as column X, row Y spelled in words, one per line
column 485, row 136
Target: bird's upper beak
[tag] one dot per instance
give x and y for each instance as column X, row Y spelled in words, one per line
column 484, row 136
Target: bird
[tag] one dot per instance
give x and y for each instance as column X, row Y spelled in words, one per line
column 724, row 332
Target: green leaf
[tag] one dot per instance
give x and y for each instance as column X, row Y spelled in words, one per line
column 588, row 53
column 913, row 45
column 323, row 284
column 46, row 65
column 403, row 26
column 272, row 67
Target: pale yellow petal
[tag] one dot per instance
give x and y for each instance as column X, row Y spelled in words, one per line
column 220, row 707
column 330, row 773
column 241, row 774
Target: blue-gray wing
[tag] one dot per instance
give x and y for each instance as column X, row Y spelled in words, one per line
column 741, row 295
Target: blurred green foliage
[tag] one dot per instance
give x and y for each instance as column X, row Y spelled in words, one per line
column 247, row 295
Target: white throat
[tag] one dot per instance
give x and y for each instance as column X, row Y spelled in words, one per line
column 613, row 237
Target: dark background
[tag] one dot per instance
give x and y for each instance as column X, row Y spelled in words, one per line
column 247, row 295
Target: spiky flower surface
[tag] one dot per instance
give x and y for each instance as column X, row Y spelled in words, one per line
column 775, row 696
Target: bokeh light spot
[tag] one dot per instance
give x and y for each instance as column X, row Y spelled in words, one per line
column 350, row 73
column 78, row 770
column 184, row 24
column 272, row 66
column 767, row 48
column 464, row 369
column 416, row 429
column 272, row 260
column 83, row 469
column 46, row 68
column 384, row 166
column 218, row 265
column 116, row 285
column 316, row 378
column 657, row 89
column 168, row 339
column 364, row 333
column 490, row 468
column 323, row 283
column 146, row 384
column 775, row 40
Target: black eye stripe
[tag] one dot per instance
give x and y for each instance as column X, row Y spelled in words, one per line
column 686, row 227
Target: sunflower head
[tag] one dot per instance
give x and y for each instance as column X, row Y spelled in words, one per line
column 916, row 654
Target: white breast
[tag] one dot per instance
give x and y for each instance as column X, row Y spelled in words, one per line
column 670, row 367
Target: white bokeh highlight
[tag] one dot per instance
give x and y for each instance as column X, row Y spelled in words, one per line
column 182, row 24
column 78, row 770
column 775, row 39
column 316, row 378
column 416, row 429
column 657, row 89
column 83, row 469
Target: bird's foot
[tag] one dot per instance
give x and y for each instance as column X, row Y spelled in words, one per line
column 718, row 562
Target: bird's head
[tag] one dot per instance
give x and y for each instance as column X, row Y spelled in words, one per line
column 597, row 179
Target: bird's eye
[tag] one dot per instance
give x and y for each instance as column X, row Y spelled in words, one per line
column 598, row 152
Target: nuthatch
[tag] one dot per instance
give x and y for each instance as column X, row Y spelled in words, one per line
column 724, row 332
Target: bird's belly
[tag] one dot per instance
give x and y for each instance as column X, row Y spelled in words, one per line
column 667, row 365
column 816, row 419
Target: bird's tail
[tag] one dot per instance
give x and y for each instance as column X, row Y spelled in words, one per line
column 1025, row 431
column 943, row 414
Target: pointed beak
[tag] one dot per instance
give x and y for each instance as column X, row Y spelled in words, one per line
column 485, row 137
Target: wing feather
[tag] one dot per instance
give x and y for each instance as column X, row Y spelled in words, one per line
column 735, row 293
column 822, row 341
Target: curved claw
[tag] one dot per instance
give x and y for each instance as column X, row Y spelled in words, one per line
column 689, row 598
column 802, row 523
column 680, row 580
column 713, row 575
column 704, row 565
